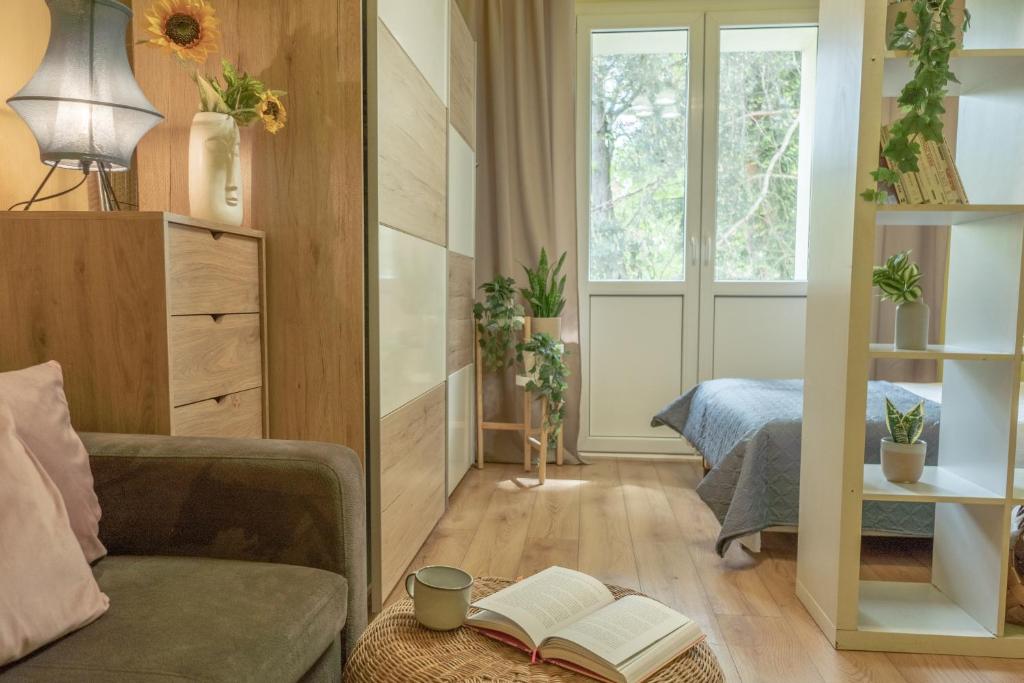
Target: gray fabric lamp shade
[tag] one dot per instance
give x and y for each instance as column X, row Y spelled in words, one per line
column 83, row 103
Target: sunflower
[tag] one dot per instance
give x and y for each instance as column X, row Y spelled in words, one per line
column 272, row 112
column 185, row 28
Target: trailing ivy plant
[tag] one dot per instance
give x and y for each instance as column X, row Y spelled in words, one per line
column 548, row 378
column 545, row 291
column 498, row 318
column 899, row 279
column 930, row 44
column 905, row 428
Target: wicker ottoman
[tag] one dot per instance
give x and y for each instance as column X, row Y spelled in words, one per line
column 396, row 649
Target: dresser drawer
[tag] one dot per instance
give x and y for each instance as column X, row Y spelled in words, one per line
column 214, row 356
column 212, row 272
column 238, row 415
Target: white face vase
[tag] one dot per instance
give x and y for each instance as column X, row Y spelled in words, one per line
column 215, row 169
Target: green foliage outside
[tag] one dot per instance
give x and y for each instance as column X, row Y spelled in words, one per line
column 639, row 163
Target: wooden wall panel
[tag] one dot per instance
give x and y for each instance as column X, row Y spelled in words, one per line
column 80, row 313
column 412, row 452
column 412, row 145
column 307, row 194
column 460, row 311
column 462, row 78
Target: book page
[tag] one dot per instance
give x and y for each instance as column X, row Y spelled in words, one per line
column 621, row 630
column 548, row 601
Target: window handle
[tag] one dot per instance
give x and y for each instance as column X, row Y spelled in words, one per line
column 707, row 251
column 693, row 251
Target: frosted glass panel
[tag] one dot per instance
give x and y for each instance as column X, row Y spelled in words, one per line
column 460, row 424
column 413, row 277
column 461, row 195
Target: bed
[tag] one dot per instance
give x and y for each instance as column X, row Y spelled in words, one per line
column 748, row 432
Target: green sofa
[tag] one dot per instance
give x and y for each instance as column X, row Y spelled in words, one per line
column 229, row 560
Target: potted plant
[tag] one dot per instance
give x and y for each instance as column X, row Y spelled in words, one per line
column 899, row 281
column 929, row 31
column 903, row 452
column 498, row 318
column 545, row 295
column 548, row 377
column 189, row 30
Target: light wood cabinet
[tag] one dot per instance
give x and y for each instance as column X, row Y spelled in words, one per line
column 158, row 320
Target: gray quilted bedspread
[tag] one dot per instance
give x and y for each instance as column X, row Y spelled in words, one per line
column 749, row 434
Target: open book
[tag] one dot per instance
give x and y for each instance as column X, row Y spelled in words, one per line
column 572, row 620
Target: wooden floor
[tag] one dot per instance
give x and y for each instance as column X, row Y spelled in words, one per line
column 641, row 524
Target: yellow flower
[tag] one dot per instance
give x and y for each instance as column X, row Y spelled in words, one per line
column 272, row 112
column 188, row 29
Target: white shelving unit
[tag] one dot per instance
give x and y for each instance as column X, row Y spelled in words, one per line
column 978, row 479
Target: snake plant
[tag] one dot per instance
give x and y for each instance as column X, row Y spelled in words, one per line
column 905, row 428
column 546, row 289
column 899, row 279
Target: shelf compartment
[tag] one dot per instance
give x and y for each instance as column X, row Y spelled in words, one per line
column 918, row 608
column 977, row 71
column 937, row 485
column 1018, row 484
column 938, row 352
column 943, row 214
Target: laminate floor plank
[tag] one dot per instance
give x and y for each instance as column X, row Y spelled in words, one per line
column 642, row 525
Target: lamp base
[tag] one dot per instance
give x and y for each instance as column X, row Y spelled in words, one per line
column 108, row 198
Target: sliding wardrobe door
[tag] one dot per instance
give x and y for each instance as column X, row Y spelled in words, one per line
column 758, row 115
column 409, row 270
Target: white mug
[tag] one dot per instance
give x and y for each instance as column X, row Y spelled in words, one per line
column 441, row 596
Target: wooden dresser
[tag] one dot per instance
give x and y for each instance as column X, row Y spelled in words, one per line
column 158, row 320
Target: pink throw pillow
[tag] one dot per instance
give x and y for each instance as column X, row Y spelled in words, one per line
column 48, row 588
column 36, row 399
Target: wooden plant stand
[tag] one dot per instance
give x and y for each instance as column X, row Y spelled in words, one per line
column 526, row 426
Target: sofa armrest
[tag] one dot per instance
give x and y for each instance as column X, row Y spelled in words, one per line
column 289, row 502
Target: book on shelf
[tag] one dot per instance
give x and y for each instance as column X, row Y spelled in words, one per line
column 569, row 619
column 937, row 180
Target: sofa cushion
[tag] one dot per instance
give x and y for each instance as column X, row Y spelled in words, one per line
column 46, row 588
column 188, row 619
column 36, row 397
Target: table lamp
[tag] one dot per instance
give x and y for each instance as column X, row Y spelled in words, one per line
column 83, row 104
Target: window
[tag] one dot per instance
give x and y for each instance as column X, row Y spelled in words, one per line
column 638, row 155
column 765, row 85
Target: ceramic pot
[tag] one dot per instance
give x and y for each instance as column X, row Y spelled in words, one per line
column 215, row 169
column 549, row 326
column 903, row 463
column 912, row 326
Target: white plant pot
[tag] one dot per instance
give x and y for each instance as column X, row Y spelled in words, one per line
column 912, row 326
column 549, row 326
column 215, row 169
column 903, row 463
